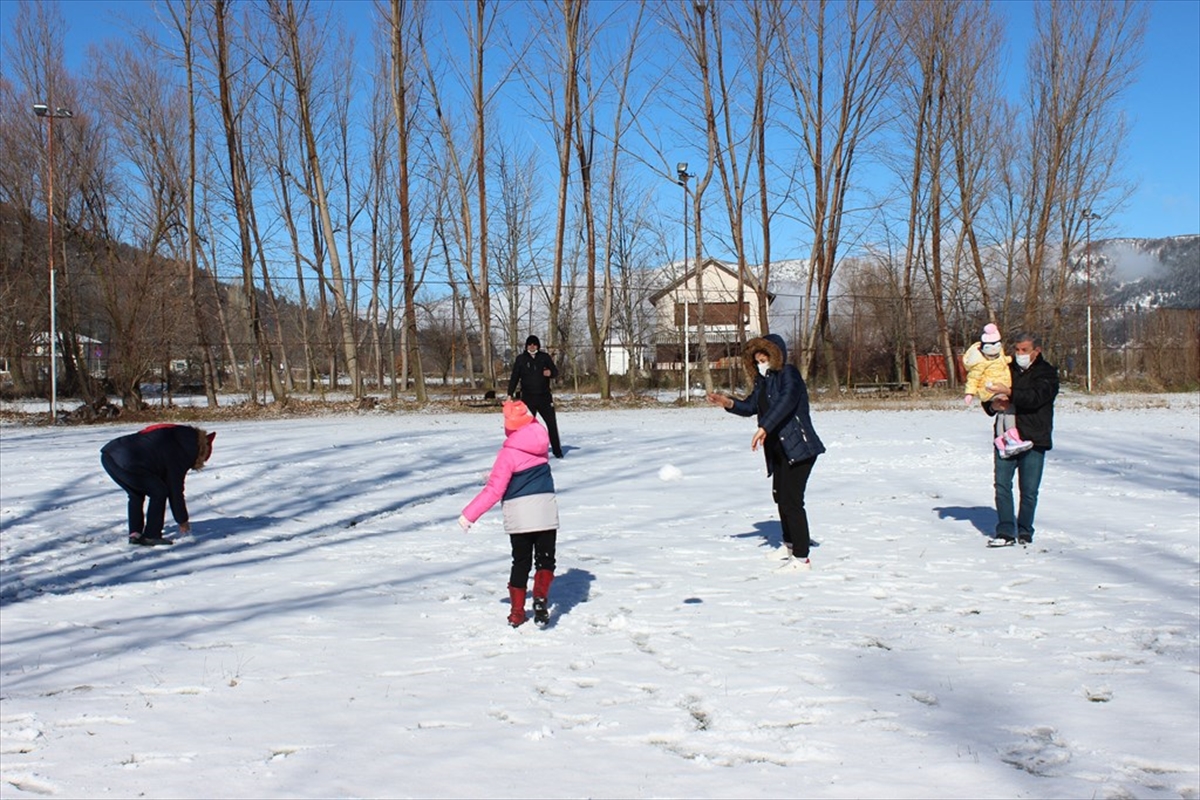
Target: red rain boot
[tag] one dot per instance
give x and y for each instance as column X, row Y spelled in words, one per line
column 517, row 597
column 541, row 593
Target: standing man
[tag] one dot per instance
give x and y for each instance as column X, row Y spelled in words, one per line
column 534, row 370
column 1030, row 395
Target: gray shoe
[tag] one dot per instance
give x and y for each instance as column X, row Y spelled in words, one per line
column 149, row 541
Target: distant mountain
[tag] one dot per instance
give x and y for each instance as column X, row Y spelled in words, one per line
column 1148, row 272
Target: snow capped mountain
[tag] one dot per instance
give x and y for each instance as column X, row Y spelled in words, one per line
column 1148, row 272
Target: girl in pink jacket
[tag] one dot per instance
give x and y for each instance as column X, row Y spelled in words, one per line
column 520, row 479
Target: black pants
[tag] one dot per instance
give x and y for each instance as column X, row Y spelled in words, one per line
column 787, row 490
column 139, row 486
column 544, row 405
column 528, row 548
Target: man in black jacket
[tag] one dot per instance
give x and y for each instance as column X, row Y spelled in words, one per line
column 1030, row 395
column 534, row 370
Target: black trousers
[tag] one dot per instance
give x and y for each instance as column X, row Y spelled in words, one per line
column 530, row 548
column 544, row 405
column 788, row 482
column 139, row 486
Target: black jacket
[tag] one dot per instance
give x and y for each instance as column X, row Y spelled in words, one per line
column 781, row 402
column 1033, row 393
column 527, row 370
column 164, row 451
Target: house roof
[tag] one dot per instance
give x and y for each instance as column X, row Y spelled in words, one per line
column 709, row 263
column 44, row 336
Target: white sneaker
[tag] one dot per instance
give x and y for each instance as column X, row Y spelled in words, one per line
column 796, row 565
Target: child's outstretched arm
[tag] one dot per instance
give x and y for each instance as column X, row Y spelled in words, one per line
column 493, row 490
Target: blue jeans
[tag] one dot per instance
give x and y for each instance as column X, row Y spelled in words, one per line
column 1027, row 467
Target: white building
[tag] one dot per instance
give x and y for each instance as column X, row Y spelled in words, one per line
column 677, row 316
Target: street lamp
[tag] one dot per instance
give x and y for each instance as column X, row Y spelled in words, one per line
column 1088, row 216
column 45, row 113
column 681, row 171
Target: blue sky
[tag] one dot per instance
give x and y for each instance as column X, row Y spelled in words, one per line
column 1164, row 112
column 1164, row 108
column 1163, row 153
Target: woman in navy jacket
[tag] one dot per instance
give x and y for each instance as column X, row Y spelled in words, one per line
column 153, row 463
column 785, row 430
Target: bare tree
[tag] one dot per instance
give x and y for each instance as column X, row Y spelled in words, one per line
column 600, row 325
column 921, row 95
column 209, row 258
column 22, row 237
column 588, row 78
column 692, row 27
column 1082, row 57
column 837, row 62
column 31, row 71
column 406, row 19
column 633, row 242
column 565, row 123
column 300, row 61
column 146, row 115
column 976, row 127
column 763, row 38
column 183, row 19
column 34, row 60
column 469, row 176
column 739, row 135
column 339, row 75
column 584, row 142
column 930, row 41
column 280, row 154
column 380, row 214
column 479, row 35
column 240, row 195
column 518, row 229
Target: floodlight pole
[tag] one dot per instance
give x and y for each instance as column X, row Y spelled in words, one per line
column 682, row 173
column 43, row 111
column 1088, row 216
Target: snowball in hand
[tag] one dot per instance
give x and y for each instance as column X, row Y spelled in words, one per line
column 670, row 472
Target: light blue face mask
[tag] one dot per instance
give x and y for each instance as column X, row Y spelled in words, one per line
column 763, row 366
column 1024, row 360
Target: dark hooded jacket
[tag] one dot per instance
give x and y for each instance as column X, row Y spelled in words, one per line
column 164, row 452
column 781, row 402
column 1033, row 393
column 527, row 371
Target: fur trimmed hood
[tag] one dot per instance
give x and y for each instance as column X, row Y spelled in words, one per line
column 772, row 344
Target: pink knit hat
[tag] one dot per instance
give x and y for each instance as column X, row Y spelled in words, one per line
column 516, row 415
column 991, row 334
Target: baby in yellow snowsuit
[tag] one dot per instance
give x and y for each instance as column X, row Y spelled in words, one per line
column 987, row 368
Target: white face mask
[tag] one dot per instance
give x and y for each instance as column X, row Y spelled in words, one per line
column 763, row 366
column 1024, row 360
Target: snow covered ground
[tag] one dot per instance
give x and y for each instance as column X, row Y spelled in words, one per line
column 328, row 631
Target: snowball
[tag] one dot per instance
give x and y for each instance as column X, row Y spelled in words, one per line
column 670, row 472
